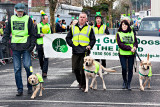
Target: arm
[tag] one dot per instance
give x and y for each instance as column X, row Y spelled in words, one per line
column 36, row 31
column 92, row 38
column 107, row 31
column 69, row 38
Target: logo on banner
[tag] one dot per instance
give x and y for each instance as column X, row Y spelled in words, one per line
column 60, row 45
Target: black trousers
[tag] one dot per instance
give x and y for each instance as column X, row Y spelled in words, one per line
column 127, row 66
column 103, row 61
column 77, row 66
column 43, row 61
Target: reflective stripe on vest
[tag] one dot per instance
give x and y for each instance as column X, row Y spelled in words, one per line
column 19, row 29
column 39, row 26
column 81, row 37
column 127, row 39
column 100, row 31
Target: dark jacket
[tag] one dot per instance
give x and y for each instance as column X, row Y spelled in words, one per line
column 58, row 27
column 80, row 49
column 21, row 46
column 125, row 47
column 39, row 47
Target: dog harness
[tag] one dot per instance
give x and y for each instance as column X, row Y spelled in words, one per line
column 149, row 74
column 96, row 68
column 40, row 79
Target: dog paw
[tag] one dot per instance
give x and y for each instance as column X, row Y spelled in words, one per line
column 141, row 88
column 91, row 87
column 86, row 91
column 32, row 97
column 40, row 95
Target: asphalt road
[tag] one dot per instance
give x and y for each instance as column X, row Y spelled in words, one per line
column 61, row 89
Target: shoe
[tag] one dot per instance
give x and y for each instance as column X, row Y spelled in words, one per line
column 30, row 91
column 19, row 94
column 44, row 75
column 124, row 86
column 129, row 87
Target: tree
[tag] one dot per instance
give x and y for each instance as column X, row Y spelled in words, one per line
column 52, row 7
column 110, row 6
column 127, row 4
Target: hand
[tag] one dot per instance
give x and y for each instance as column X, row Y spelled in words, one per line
column 133, row 49
column 88, row 47
column 42, row 35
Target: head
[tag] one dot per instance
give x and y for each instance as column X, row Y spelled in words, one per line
column 88, row 61
column 32, row 79
column 98, row 20
column 19, row 8
column 82, row 18
column 146, row 63
column 124, row 26
column 58, row 15
column 45, row 19
column 63, row 21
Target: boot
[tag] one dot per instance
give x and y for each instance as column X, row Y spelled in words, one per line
column 124, row 86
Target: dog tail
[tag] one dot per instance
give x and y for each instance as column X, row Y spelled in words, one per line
column 107, row 69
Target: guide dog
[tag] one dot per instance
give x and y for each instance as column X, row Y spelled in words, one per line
column 36, row 81
column 91, row 70
column 145, row 73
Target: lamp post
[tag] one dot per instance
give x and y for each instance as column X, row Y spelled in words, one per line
column 29, row 6
column 136, row 5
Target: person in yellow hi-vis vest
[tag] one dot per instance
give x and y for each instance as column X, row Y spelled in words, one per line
column 22, row 43
column 40, row 34
column 128, row 44
column 81, row 38
column 100, row 29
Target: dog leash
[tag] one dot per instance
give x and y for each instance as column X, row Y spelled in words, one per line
column 87, row 52
column 138, row 56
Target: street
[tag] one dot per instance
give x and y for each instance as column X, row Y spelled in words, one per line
column 61, row 89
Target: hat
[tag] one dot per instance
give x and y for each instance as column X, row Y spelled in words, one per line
column 19, row 7
column 98, row 14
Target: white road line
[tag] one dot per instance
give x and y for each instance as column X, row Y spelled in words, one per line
column 80, row 102
column 74, row 84
column 115, row 67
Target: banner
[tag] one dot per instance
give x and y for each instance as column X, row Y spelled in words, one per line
column 105, row 47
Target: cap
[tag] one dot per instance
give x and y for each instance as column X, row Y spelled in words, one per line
column 19, row 7
column 98, row 14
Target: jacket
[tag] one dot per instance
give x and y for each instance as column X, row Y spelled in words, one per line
column 80, row 49
column 31, row 41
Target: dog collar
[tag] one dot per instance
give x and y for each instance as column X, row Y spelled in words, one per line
column 36, row 84
column 143, row 75
column 89, row 71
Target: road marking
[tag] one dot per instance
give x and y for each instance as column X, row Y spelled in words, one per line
column 115, row 67
column 80, row 102
column 61, row 61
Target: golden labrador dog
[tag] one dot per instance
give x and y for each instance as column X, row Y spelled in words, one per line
column 36, row 81
column 93, row 68
column 145, row 73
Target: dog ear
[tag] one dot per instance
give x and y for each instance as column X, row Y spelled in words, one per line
column 148, row 57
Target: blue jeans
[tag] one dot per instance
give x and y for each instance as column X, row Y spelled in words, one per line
column 18, row 69
column 127, row 64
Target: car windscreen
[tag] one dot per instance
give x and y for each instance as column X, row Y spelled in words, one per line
column 150, row 26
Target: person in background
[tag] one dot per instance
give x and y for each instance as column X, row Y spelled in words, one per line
column 22, row 43
column 100, row 29
column 128, row 44
column 59, row 26
column 81, row 38
column 58, row 17
column 42, row 60
column 64, row 28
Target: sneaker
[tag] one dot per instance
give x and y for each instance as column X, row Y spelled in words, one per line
column 19, row 94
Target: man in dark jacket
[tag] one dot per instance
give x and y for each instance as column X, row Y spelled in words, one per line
column 59, row 26
column 22, row 43
column 81, row 38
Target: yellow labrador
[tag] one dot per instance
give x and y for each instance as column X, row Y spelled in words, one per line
column 91, row 69
column 145, row 73
column 36, row 81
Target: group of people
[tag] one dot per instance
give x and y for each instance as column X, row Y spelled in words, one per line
column 81, row 37
column 60, row 25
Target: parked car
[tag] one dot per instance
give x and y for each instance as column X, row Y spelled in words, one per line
column 150, row 26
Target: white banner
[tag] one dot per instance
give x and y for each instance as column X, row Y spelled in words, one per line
column 105, row 47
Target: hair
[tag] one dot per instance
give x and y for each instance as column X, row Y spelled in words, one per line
column 58, row 15
column 126, row 23
column 83, row 13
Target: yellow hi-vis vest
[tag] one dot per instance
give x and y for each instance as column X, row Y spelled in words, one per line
column 19, row 29
column 81, row 37
column 100, row 31
column 127, row 39
column 39, row 26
